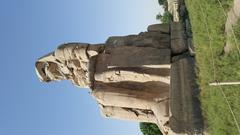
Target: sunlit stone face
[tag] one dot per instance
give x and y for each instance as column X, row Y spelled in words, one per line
column 41, row 72
column 48, row 68
column 65, row 64
column 49, row 71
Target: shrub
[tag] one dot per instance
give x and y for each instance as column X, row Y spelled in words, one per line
column 165, row 18
column 149, row 129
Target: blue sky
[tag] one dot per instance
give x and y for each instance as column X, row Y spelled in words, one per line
column 30, row 29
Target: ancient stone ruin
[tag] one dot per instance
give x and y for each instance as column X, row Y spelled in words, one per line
column 131, row 77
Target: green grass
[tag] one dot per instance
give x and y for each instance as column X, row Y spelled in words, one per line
column 237, row 30
column 215, row 109
column 231, row 37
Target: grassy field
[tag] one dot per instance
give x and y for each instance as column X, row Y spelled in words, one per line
column 207, row 20
column 237, row 30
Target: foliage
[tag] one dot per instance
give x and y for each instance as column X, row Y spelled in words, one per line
column 149, row 129
column 237, row 30
column 165, row 18
column 162, row 2
column 208, row 15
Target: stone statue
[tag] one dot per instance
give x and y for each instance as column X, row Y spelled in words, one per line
column 129, row 76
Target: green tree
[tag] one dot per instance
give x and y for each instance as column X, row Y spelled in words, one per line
column 161, row 2
column 236, row 29
column 158, row 16
column 149, row 129
column 165, row 18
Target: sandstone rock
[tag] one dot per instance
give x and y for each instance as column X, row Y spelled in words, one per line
column 131, row 56
column 128, row 114
column 144, row 39
column 178, row 46
column 129, row 95
column 185, row 110
column 178, row 39
column 163, row 28
column 175, row 26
